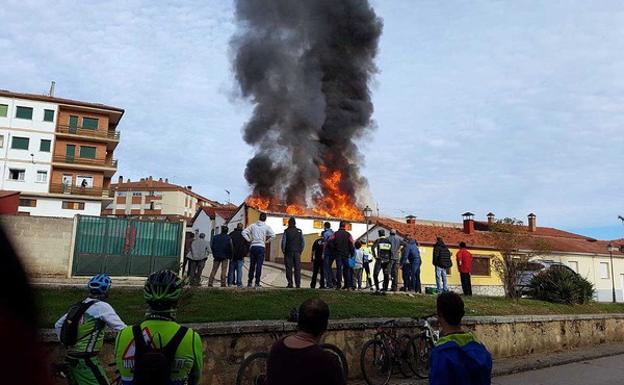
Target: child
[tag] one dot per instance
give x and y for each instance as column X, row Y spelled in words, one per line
column 359, row 263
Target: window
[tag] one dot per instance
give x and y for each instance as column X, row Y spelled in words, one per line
column 87, row 152
column 84, row 181
column 4, row 109
column 28, row 202
column 48, row 115
column 573, row 265
column 137, row 194
column 90, row 123
column 73, row 121
column 44, row 146
column 73, row 205
column 23, row 112
column 604, row 270
column 1, row 141
column 17, row 174
column 42, row 176
column 318, row 224
column 20, row 143
column 121, row 193
column 481, row 265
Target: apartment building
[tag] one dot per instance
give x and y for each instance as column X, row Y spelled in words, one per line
column 58, row 153
column 156, row 199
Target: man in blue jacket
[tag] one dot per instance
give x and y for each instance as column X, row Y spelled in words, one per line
column 411, row 261
column 458, row 358
column 222, row 249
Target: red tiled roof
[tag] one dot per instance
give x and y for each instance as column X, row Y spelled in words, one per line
column 225, row 212
column 156, row 185
column 558, row 240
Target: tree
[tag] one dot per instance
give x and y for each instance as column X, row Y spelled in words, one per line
column 517, row 248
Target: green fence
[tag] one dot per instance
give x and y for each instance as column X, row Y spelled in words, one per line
column 125, row 247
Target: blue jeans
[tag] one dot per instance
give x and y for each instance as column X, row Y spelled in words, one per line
column 329, row 272
column 416, row 277
column 406, row 271
column 256, row 254
column 441, row 279
column 235, row 272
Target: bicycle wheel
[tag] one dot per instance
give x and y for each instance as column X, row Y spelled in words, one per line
column 376, row 363
column 407, row 359
column 341, row 358
column 252, row 370
column 423, row 355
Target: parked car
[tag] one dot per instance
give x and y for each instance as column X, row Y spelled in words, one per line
column 535, row 267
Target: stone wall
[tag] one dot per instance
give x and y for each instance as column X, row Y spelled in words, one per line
column 227, row 344
column 43, row 243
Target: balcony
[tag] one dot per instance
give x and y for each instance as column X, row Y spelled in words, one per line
column 101, row 162
column 110, row 135
column 77, row 190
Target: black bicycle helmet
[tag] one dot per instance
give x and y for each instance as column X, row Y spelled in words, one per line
column 162, row 290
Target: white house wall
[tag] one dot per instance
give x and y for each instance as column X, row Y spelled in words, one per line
column 203, row 223
column 50, row 207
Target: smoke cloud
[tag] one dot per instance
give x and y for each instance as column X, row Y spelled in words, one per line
column 306, row 66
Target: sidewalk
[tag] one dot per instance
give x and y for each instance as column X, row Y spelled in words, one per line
column 506, row 366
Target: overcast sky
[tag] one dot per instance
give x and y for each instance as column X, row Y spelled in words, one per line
column 511, row 107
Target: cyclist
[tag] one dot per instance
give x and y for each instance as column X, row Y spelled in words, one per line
column 458, row 357
column 169, row 353
column 88, row 319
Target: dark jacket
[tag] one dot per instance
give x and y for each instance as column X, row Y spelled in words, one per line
column 318, row 248
column 221, row 246
column 239, row 244
column 341, row 244
column 292, row 240
column 460, row 359
column 382, row 249
column 441, row 255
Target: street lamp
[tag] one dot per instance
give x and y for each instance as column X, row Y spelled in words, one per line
column 611, row 249
column 367, row 213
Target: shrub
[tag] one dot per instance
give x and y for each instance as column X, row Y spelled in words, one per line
column 561, row 285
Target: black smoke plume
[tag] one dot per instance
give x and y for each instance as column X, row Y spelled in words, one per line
column 306, row 66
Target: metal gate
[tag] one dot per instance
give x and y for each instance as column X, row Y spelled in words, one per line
column 125, row 247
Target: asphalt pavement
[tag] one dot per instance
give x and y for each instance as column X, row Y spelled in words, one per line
column 601, row 371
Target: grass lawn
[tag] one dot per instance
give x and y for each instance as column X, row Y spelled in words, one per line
column 229, row 305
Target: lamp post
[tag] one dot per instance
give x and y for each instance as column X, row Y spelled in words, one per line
column 367, row 213
column 611, row 249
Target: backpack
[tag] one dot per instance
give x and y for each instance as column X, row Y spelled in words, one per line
column 153, row 366
column 69, row 330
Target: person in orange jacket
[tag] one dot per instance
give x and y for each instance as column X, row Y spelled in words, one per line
column 464, row 265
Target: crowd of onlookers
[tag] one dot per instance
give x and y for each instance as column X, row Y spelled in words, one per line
column 337, row 260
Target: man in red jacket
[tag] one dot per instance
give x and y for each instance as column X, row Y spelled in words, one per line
column 464, row 264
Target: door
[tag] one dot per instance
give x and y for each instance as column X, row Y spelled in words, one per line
column 67, row 181
column 73, row 124
column 70, row 153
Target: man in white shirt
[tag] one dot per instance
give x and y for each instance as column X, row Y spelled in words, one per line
column 258, row 234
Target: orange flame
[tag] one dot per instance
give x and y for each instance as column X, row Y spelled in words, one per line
column 334, row 203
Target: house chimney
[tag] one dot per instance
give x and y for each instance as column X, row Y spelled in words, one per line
column 149, row 178
column 491, row 218
column 52, row 86
column 160, row 179
column 166, row 180
column 120, row 180
column 189, row 187
column 532, row 223
column 468, row 222
column 410, row 219
column 128, row 181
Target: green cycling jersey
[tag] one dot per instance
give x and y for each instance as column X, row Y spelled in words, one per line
column 189, row 358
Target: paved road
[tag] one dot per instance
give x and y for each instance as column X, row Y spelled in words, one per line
column 603, row 371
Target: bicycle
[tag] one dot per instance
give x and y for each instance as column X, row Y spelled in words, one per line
column 424, row 343
column 252, row 370
column 61, row 370
column 385, row 353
